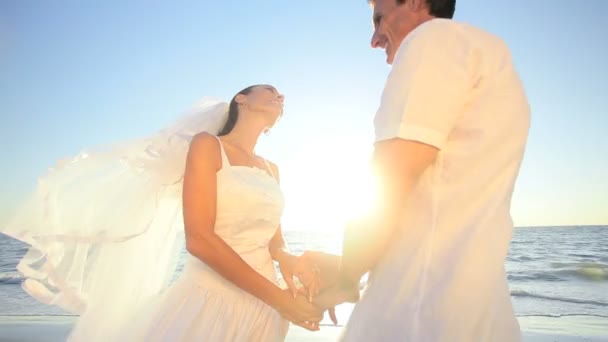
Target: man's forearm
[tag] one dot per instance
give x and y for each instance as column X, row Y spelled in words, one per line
column 365, row 242
column 398, row 166
column 281, row 254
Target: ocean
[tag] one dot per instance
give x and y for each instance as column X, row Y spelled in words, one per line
column 552, row 272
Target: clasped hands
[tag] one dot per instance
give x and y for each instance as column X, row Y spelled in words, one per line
column 319, row 288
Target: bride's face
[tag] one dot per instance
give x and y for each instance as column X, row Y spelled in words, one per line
column 265, row 99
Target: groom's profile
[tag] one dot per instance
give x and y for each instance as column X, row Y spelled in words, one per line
column 450, row 134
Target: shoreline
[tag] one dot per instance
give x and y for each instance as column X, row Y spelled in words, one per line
column 534, row 329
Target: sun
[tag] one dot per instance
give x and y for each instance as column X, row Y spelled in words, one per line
column 327, row 187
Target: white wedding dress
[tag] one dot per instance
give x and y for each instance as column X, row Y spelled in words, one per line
column 203, row 306
column 105, row 232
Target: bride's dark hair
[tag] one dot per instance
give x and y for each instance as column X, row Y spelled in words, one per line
column 233, row 111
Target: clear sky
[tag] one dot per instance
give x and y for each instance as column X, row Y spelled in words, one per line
column 75, row 74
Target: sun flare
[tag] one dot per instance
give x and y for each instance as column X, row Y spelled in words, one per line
column 326, row 189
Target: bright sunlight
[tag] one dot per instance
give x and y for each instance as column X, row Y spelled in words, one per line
column 327, row 187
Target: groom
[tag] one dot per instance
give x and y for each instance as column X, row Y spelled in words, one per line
column 450, row 135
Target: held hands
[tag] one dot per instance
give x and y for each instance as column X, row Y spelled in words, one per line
column 338, row 293
column 332, row 290
column 306, row 272
column 300, row 311
column 296, row 308
column 316, row 271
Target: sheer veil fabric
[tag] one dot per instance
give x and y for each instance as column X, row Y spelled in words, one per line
column 106, row 226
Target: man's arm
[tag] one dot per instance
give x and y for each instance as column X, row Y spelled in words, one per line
column 425, row 94
column 398, row 164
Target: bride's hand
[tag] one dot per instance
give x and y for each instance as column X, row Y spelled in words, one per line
column 309, row 274
column 305, row 269
column 299, row 311
column 287, row 264
column 317, row 270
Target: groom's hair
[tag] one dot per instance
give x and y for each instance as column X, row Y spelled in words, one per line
column 437, row 8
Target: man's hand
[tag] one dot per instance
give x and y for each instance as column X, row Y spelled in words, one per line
column 308, row 272
column 318, row 271
column 325, row 268
column 337, row 294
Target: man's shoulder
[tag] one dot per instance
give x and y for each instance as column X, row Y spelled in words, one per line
column 435, row 33
column 434, row 36
column 451, row 29
column 451, row 35
column 435, row 27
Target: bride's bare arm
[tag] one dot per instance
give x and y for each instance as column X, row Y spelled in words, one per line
column 287, row 261
column 277, row 247
column 278, row 250
column 199, row 200
column 281, row 254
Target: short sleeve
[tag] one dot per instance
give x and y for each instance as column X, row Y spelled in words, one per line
column 428, row 86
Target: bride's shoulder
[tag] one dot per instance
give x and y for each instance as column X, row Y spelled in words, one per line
column 273, row 167
column 203, row 139
column 205, row 145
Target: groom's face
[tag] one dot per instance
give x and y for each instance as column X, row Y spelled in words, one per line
column 392, row 22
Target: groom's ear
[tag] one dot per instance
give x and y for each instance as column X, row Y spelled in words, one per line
column 416, row 5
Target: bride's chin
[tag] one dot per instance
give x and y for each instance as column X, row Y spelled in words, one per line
column 273, row 115
column 270, row 111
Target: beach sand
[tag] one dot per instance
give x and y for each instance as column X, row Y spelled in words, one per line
column 536, row 329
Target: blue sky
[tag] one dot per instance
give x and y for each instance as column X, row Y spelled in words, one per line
column 75, row 74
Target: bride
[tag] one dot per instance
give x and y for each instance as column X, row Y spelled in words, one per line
column 106, row 227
